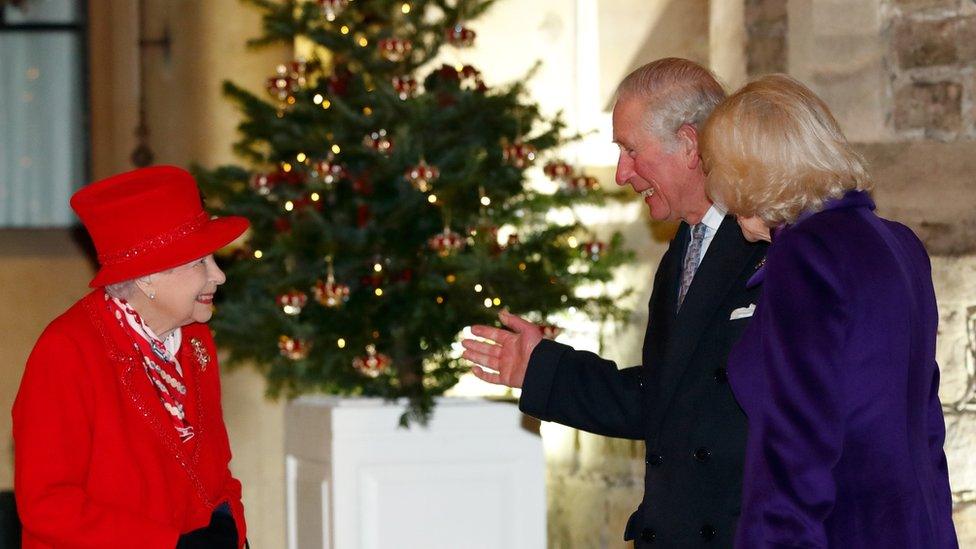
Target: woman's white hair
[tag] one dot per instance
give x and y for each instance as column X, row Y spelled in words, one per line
column 121, row 290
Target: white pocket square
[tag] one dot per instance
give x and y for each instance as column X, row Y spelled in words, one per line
column 743, row 312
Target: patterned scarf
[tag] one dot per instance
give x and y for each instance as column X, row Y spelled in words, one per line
column 159, row 360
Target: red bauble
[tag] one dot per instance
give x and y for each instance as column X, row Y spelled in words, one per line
column 379, row 142
column 422, row 175
column 293, row 348
column 373, row 363
column 447, row 242
column 470, row 78
column 363, row 185
column 557, row 170
column 394, row 49
column 292, row 302
column 262, row 183
column 594, row 249
column 459, row 36
column 328, row 171
column 404, row 86
column 282, row 225
column 518, row 154
column 339, row 81
column 330, row 293
column 448, row 72
column 289, row 79
column 363, row 215
column 584, row 183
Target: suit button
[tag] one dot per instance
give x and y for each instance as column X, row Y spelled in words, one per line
column 655, row 460
column 720, row 375
column 703, row 454
column 706, row 532
column 648, row 535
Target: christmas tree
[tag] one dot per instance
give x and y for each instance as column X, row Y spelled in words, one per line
column 390, row 205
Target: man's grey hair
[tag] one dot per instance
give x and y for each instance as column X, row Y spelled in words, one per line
column 674, row 92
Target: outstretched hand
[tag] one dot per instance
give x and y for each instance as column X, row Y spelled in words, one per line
column 504, row 358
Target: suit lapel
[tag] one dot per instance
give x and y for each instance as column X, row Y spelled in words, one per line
column 663, row 301
column 727, row 256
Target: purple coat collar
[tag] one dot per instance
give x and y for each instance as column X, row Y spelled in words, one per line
column 851, row 199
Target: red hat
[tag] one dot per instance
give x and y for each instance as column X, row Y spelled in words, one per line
column 149, row 220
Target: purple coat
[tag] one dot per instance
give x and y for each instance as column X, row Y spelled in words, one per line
column 837, row 376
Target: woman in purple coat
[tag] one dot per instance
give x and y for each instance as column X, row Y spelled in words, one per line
column 837, row 370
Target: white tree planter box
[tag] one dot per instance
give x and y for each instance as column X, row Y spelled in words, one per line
column 474, row 478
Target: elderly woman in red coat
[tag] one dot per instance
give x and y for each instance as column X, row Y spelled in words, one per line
column 118, row 430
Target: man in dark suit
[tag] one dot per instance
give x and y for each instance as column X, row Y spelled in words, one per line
column 678, row 400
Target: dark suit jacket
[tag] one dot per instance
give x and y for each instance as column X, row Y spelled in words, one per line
column 678, row 400
column 838, row 377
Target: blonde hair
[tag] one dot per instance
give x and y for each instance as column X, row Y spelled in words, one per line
column 674, row 92
column 774, row 150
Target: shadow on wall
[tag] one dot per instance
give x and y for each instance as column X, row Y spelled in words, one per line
column 679, row 28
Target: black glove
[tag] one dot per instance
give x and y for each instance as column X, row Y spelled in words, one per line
column 221, row 533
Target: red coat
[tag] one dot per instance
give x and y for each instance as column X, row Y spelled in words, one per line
column 97, row 461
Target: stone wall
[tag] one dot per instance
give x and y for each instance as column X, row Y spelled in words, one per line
column 932, row 68
column 766, row 23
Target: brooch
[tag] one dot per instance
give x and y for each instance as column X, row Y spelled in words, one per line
column 200, row 352
column 761, row 263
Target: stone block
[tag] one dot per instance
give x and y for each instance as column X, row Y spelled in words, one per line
column 765, row 55
column 765, row 11
column 925, row 43
column 966, row 39
column 915, row 5
column 932, row 106
column 928, row 186
column 846, row 18
column 964, row 515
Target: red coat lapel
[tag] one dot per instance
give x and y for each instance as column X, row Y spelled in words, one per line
column 142, row 396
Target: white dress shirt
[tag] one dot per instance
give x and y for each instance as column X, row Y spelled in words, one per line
column 712, row 220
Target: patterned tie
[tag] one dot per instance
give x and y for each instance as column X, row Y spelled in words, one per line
column 692, row 259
